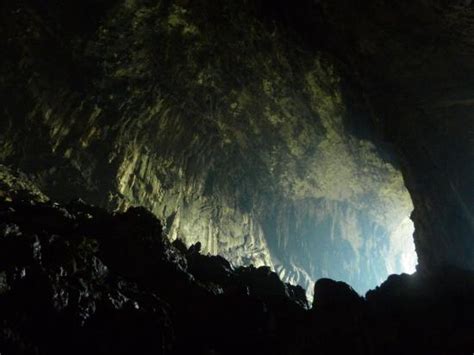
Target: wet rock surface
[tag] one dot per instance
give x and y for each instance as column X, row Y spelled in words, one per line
column 77, row 279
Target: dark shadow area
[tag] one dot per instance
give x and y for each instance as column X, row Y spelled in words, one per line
column 77, row 279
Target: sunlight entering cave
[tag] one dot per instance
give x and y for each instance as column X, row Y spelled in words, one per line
column 406, row 258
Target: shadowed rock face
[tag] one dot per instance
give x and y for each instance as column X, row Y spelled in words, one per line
column 220, row 119
column 77, row 279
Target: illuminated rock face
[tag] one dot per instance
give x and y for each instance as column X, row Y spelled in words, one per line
column 414, row 63
column 235, row 135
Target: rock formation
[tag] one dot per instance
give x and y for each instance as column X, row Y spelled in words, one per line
column 219, row 119
column 272, row 141
column 77, row 279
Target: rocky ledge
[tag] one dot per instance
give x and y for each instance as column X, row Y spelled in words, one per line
column 76, row 279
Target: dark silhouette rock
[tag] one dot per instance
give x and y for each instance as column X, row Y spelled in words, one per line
column 77, row 279
column 330, row 294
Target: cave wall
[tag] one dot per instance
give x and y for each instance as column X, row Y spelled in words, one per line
column 244, row 135
column 414, row 62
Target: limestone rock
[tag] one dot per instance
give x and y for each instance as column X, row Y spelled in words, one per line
column 241, row 139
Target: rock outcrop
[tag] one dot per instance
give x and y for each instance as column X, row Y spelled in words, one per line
column 332, row 295
column 77, row 279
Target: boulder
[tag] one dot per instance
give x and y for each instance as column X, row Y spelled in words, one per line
column 329, row 294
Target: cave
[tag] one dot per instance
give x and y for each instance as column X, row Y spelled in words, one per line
column 252, row 176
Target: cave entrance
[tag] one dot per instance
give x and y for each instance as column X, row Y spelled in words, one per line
column 360, row 241
column 346, row 216
column 299, row 182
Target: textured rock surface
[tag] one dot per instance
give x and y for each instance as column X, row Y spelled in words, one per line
column 414, row 64
column 15, row 184
column 215, row 117
column 76, row 279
